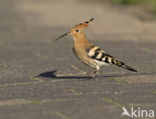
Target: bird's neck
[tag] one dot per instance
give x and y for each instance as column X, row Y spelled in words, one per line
column 80, row 42
column 79, row 38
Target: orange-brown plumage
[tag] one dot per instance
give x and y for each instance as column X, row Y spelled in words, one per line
column 79, row 49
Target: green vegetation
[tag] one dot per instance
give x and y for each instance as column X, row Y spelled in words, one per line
column 118, row 80
column 154, row 7
column 113, row 102
column 128, row 2
column 149, row 3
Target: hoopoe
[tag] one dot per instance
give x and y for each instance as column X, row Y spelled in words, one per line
column 89, row 53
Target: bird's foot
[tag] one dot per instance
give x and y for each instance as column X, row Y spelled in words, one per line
column 93, row 78
column 90, row 78
column 92, row 75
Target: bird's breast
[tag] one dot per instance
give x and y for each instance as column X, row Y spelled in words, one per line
column 81, row 54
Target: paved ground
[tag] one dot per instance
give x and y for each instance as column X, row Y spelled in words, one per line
column 42, row 79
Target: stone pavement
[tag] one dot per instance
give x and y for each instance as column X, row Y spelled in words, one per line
column 42, row 79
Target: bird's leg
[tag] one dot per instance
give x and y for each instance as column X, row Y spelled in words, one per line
column 93, row 74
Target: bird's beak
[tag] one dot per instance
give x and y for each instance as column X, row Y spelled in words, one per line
column 62, row 36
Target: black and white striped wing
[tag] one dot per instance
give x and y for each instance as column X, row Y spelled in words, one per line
column 97, row 54
column 102, row 58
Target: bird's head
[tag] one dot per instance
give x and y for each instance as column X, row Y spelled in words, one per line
column 78, row 30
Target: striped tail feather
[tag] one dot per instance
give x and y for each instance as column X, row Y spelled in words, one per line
column 129, row 68
column 122, row 65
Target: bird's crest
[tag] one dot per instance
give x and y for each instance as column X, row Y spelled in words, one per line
column 84, row 24
column 79, row 26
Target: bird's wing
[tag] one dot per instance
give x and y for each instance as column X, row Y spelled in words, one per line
column 96, row 53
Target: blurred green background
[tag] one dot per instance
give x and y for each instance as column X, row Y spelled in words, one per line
column 150, row 4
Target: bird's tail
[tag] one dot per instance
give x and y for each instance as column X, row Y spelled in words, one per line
column 122, row 65
column 129, row 68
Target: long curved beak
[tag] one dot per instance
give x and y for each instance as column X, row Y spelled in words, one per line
column 62, row 36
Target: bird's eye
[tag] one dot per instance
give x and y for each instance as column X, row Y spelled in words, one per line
column 77, row 30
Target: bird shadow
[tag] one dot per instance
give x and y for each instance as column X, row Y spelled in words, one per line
column 51, row 74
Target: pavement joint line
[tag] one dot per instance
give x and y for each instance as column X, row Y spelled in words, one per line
column 112, row 102
column 86, row 93
column 140, row 104
column 152, row 91
column 146, row 96
column 74, row 90
column 17, row 84
column 106, row 75
column 36, row 79
column 14, row 102
column 62, row 115
column 118, row 80
column 131, row 75
column 41, row 56
column 27, row 83
column 57, row 113
column 148, row 50
column 76, row 68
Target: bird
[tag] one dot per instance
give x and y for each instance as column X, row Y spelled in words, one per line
column 91, row 54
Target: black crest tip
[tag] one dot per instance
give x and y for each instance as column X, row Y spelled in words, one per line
column 91, row 19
